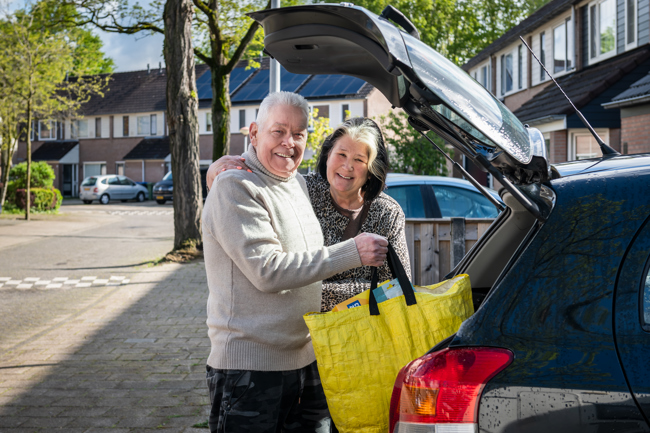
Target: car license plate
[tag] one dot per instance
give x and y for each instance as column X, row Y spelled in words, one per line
column 86, row 189
column 159, row 197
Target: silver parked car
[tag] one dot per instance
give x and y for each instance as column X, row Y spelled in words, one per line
column 439, row 197
column 111, row 187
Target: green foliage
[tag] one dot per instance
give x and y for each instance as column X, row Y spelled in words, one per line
column 459, row 29
column 41, row 199
column 320, row 129
column 42, row 175
column 409, row 151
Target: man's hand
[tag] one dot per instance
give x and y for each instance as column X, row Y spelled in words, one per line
column 224, row 163
column 372, row 249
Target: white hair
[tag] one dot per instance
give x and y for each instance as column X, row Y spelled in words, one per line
column 282, row 98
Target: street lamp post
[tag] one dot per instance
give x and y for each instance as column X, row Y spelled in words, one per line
column 274, row 75
column 244, row 131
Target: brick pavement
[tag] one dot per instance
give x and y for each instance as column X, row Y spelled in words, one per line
column 130, row 360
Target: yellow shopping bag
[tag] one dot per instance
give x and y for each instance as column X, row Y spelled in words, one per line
column 361, row 350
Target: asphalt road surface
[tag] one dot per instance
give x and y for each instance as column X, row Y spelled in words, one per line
column 54, row 266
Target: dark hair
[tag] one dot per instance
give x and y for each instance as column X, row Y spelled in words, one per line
column 368, row 132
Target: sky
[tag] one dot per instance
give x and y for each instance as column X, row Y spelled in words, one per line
column 132, row 52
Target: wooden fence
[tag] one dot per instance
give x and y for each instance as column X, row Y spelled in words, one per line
column 436, row 245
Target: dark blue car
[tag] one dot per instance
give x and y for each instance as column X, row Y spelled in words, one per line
column 560, row 340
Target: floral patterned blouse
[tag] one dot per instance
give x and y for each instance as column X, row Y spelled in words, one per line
column 385, row 218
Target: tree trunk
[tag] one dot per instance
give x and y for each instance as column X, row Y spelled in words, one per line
column 182, row 120
column 7, row 156
column 29, row 160
column 220, row 115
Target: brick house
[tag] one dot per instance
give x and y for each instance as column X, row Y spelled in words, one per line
column 598, row 51
column 125, row 131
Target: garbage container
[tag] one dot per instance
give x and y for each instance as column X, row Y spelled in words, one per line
column 149, row 187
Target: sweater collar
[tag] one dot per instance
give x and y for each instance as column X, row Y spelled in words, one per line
column 254, row 163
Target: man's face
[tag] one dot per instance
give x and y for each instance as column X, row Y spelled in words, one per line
column 280, row 142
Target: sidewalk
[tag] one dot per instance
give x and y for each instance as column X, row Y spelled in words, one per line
column 132, row 360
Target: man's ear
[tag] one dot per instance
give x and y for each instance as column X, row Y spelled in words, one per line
column 252, row 133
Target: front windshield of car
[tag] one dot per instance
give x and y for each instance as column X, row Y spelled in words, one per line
column 473, row 108
column 168, row 176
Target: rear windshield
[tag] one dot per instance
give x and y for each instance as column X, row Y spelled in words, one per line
column 89, row 181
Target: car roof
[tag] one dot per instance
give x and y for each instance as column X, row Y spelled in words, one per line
column 394, row 179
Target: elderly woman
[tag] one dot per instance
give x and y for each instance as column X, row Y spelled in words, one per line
column 347, row 198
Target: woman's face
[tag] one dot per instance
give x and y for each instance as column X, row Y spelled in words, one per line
column 347, row 166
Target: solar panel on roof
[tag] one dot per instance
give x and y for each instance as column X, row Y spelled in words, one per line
column 203, row 87
column 289, row 82
column 204, row 82
column 255, row 89
column 331, row 85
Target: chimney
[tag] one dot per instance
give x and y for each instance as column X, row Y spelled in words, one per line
column 148, row 69
column 160, row 67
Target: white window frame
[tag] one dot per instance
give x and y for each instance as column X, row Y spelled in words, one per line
column 208, row 121
column 102, row 167
column 142, row 128
column 520, row 67
column 153, row 125
column 75, row 128
column 598, row 56
column 573, row 140
column 631, row 45
column 52, row 130
column 569, row 47
column 488, row 79
column 542, row 56
column 503, row 60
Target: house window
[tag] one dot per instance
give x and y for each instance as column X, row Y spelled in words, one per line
column 630, row 21
column 345, row 111
column 242, row 118
column 94, row 169
column 125, row 126
column 119, row 168
column 47, row 130
column 323, row 110
column 542, row 54
column 563, row 46
column 506, row 73
column 79, row 128
column 98, row 127
column 586, row 146
column 520, row 66
column 485, row 77
column 602, row 28
column 144, row 125
column 153, row 123
column 208, row 121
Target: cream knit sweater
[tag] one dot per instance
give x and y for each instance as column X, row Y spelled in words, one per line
column 265, row 259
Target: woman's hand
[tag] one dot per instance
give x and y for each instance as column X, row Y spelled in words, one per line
column 227, row 162
column 372, row 249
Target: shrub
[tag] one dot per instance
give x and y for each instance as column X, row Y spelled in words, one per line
column 41, row 199
column 42, row 175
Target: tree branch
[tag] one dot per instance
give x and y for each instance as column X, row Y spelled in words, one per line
column 243, row 44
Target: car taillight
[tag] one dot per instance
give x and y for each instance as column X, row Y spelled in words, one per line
column 439, row 392
column 96, row 189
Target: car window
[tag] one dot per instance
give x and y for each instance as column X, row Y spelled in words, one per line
column 89, row 181
column 645, row 312
column 459, row 202
column 126, row 181
column 113, row 181
column 103, row 181
column 409, row 198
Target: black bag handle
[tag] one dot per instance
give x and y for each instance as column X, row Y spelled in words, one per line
column 397, row 269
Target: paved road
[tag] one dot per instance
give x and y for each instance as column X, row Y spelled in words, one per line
column 52, row 265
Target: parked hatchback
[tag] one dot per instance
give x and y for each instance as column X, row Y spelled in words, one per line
column 110, row 187
column 560, row 340
column 163, row 191
column 439, row 197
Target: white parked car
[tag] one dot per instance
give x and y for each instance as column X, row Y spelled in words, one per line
column 111, row 187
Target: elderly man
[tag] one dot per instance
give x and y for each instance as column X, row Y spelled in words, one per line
column 264, row 258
